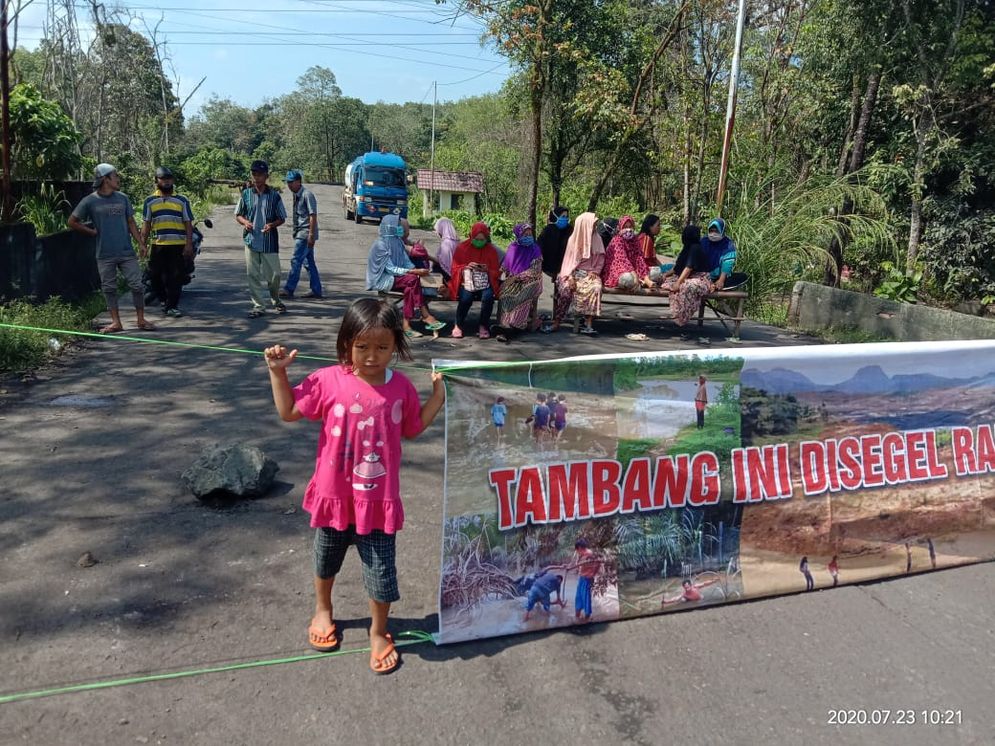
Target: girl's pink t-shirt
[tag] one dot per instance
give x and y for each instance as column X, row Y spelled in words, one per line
column 356, row 474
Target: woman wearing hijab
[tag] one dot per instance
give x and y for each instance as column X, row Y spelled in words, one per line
column 476, row 276
column 690, row 238
column 522, row 284
column 708, row 265
column 553, row 240
column 389, row 267
column 648, row 233
column 449, row 239
column 721, row 253
column 625, row 266
column 579, row 279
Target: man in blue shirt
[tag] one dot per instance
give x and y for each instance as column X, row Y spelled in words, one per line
column 305, row 230
column 112, row 222
column 260, row 212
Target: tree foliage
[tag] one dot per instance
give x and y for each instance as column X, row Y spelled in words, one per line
column 44, row 140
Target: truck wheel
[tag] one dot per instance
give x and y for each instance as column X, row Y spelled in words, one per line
column 359, row 218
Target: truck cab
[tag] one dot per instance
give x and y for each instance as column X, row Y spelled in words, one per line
column 375, row 185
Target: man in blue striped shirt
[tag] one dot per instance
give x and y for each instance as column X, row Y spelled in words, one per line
column 169, row 219
column 260, row 212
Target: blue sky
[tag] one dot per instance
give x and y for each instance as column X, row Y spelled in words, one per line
column 379, row 50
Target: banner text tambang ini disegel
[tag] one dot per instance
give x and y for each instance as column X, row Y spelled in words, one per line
column 599, row 488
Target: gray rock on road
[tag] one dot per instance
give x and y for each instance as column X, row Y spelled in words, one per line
column 236, row 469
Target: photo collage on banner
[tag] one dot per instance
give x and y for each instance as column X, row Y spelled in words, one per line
column 598, row 488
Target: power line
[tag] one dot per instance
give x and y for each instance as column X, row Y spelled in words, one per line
column 341, row 36
column 243, row 11
column 474, row 77
column 221, row 32
column 385, row 13
column 321, row 45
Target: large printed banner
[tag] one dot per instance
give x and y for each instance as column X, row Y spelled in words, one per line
column 606, row 487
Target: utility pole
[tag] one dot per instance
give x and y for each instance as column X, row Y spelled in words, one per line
column 7, row 205
column 431, row 188
column 730, row 108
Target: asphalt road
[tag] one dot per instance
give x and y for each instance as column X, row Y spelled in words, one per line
column 181, row 586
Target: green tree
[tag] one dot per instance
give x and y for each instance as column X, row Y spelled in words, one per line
column 44, row 140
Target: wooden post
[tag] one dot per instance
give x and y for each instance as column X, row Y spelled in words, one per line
column 730, row 108
column 7, row 205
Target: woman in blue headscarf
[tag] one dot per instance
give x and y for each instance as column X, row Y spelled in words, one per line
column 708, row 265
column 390, row 268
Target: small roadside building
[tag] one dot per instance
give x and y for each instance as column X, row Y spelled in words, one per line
column 449, row 190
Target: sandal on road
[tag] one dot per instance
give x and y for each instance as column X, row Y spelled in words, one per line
column 256, row 313
column 111, row 329
column 323, row 642
column 147, row 326
column 377, row 662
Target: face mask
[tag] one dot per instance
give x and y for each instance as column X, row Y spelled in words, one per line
column 479, row 242
column 166, row 189
column 526, row 241
column 628, row 233
column 399, row 230
column 714, row 237
column 562, row 222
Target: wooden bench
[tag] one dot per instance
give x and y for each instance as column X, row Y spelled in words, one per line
column 726, row 304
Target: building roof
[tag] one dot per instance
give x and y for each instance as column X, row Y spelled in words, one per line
column 468, row 182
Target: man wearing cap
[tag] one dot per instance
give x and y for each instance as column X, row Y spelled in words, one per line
column 260, row 212
column 112, row 223
column 169, row 219
column 305, row 230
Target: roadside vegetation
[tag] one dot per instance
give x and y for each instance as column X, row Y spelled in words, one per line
column 862, row 150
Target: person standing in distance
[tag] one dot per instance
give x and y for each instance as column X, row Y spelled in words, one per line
column 260, row 212
column 305, row 230
column 169, row 220
column 112, row 223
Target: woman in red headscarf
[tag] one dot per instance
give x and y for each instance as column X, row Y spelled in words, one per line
column 475, row 276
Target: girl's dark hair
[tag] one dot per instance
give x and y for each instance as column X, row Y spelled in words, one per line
column 648, row 222
column 691, row 235
column 366, row 314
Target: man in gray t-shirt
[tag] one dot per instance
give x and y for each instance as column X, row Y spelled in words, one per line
column 305, row 234
column 112, row 223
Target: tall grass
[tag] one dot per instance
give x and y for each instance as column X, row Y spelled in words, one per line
column 785, row 238
column 22, row 350
column 46, row 211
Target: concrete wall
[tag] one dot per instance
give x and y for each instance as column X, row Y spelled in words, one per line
column 814, row 307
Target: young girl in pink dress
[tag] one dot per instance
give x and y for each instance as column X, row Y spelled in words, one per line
column 354, row 496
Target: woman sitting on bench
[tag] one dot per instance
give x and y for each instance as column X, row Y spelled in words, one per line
column 708, row 265
column 389, row 267
column 579, row 280
column 522, row 284
column 625, row 265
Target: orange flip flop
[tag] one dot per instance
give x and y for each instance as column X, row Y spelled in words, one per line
column 323, row 643
column 377, row 664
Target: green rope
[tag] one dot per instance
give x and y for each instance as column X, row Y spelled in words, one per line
column 417, row 637
column 173, row 343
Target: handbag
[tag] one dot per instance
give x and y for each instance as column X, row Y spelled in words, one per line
column 475, row 279
column 431, row 281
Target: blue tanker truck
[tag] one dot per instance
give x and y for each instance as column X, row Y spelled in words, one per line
column 375, row 185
